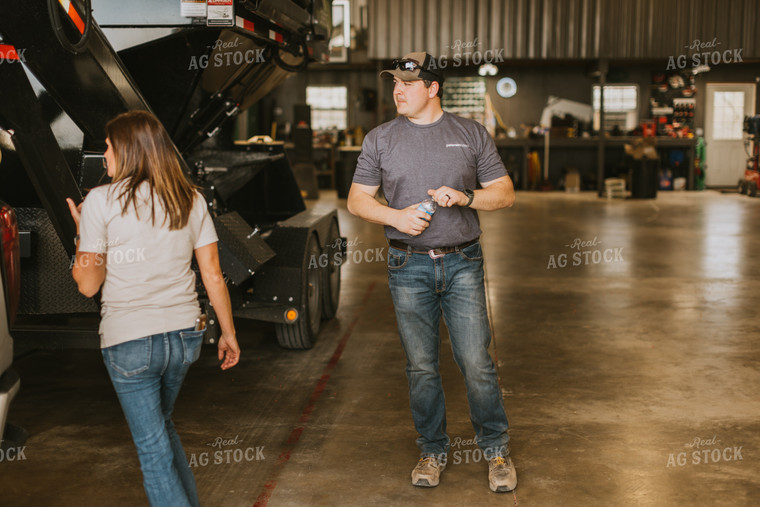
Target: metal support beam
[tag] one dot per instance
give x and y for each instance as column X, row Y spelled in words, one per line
column 92, row 86
column 38, row 150
column 603, row 67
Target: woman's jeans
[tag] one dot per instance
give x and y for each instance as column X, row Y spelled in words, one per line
column 421, row 288
column 147, row 374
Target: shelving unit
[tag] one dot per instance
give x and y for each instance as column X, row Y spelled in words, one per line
column 465, row 96
column 672, row 102
column 583, row 152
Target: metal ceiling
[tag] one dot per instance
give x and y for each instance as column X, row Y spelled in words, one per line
column 563, row 29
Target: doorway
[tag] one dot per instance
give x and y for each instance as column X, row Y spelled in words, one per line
column 727, row 105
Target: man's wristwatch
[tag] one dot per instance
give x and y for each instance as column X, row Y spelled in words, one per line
column 470, row 196
column 76, row 240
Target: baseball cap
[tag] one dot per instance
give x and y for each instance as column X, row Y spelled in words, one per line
column 423, row 68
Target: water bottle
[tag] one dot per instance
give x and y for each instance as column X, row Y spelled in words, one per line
column 428, row 206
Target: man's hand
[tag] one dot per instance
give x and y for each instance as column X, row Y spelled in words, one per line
column 411, row 220
column 495, row 194
column 447, row 197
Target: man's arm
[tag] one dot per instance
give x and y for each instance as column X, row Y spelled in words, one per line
column 362, row 203
column 495, row 194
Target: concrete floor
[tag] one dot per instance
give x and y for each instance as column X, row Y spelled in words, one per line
column 630, row 381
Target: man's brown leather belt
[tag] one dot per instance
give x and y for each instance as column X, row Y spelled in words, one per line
column 434, row 253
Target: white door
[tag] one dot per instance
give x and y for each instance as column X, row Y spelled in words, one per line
column 727, row 105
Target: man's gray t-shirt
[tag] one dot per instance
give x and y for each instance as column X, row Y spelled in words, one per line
column 409, row 159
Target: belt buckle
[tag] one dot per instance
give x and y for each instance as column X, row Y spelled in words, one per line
column 433, row 255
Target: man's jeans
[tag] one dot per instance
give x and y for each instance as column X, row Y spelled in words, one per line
column 147, row 374
column 421, row 287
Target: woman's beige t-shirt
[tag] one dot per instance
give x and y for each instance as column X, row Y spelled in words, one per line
column 149, row 286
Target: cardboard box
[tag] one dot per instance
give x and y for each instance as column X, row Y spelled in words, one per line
column 572, row 181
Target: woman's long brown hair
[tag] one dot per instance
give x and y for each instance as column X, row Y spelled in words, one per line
column 144, row 151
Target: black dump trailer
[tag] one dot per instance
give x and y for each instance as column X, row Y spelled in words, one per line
column 69, row 66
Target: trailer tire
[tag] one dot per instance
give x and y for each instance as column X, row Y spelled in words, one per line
column 752, row 189
column 303, row 332
column 331, row 273
column 742, row 186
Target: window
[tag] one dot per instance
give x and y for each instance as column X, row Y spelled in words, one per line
column 728, row 115
column 329, row 107
column 620, row 106
column 340, row 38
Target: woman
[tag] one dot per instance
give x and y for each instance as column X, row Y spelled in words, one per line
column 137, row 237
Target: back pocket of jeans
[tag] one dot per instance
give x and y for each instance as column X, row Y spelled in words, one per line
column 130, row 358
column 191, row 345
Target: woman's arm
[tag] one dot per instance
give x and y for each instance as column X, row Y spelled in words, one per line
column 89, row 270
column 213, row 280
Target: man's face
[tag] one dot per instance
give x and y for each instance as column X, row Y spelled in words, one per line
column 410, row 97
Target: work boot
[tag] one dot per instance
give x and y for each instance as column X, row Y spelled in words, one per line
column 502, row 476
column 427, row 473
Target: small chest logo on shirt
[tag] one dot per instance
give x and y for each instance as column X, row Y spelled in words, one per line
column 456, row 145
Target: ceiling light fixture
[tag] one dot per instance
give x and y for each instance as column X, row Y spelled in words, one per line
column 488, row 69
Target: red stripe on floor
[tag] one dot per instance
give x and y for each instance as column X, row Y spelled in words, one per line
column 295, row 435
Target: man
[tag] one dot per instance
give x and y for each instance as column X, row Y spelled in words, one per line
column 435, row 262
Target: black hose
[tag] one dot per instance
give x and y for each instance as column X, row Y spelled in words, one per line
column 54, row 12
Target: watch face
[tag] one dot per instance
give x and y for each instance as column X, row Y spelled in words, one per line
column 470, row 195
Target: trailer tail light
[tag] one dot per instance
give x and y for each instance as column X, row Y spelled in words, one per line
column 11, row 259
column 8, row 53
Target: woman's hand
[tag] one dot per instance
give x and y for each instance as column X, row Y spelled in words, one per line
column 76, row 211
column 229, row 350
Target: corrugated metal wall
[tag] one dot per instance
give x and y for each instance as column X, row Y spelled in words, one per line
column 559, row 29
